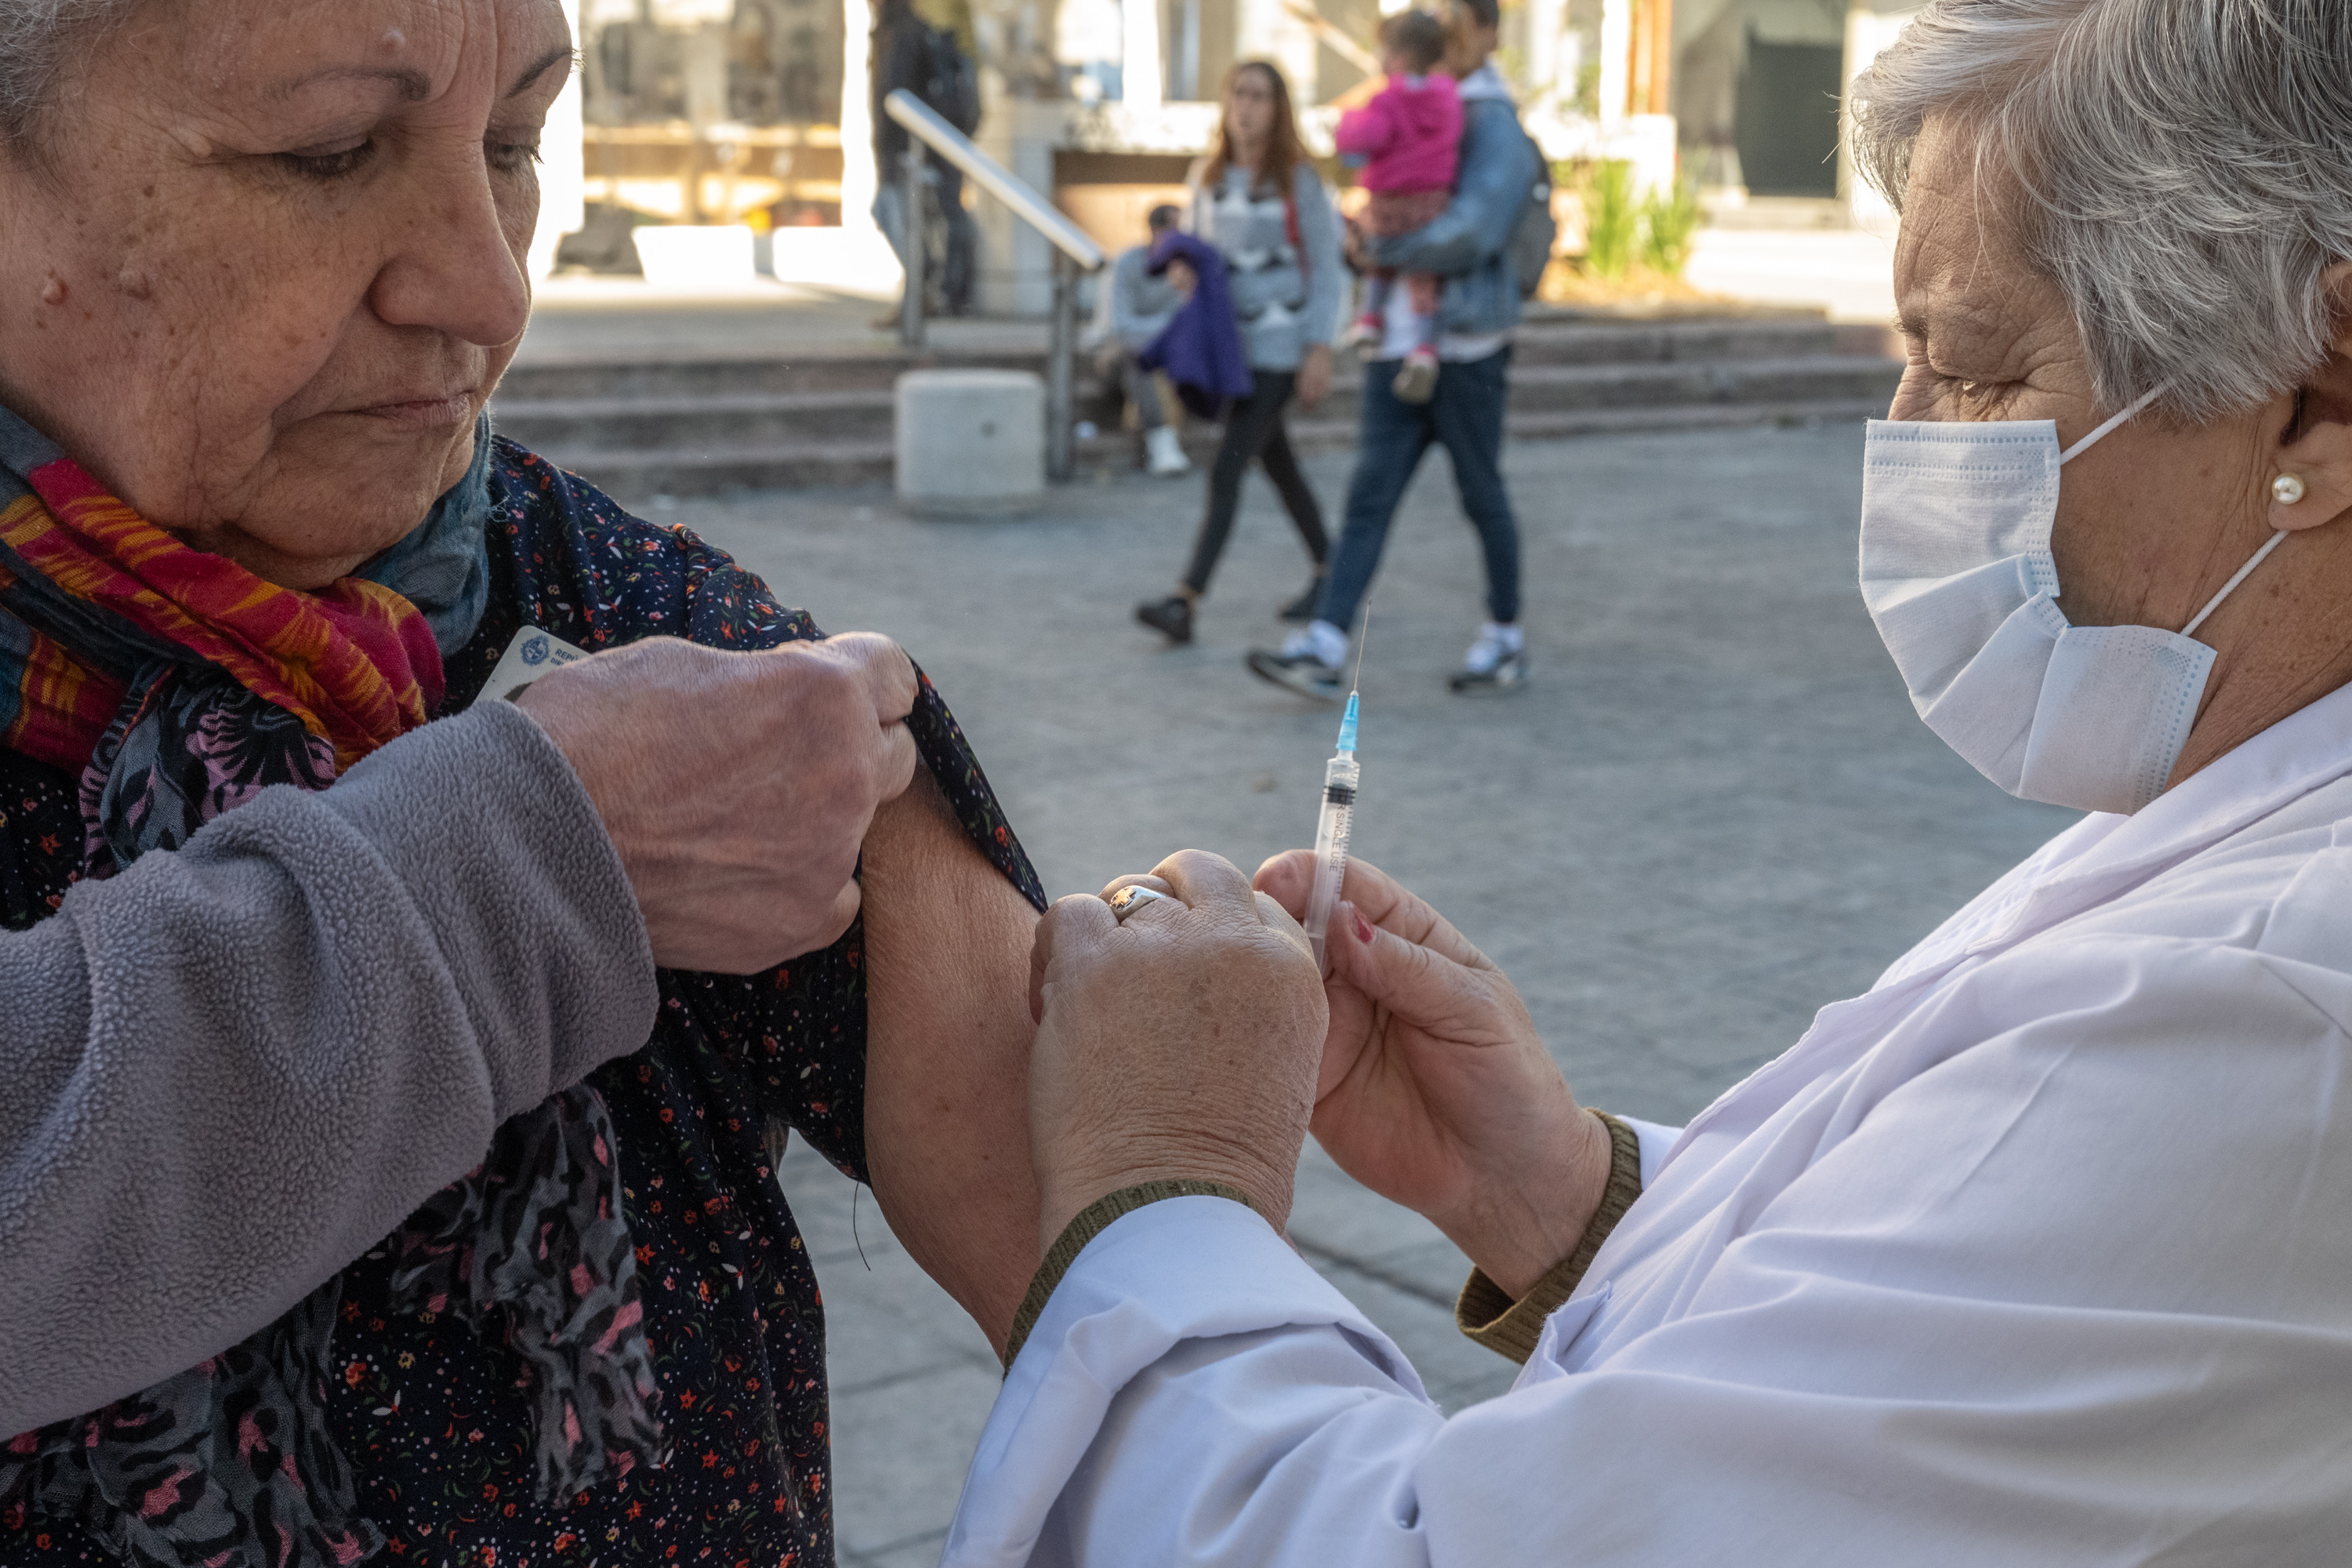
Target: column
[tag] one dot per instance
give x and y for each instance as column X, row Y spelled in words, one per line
column 859, row 179
column 1658, row 66
column 1141, row 76
column 1616, row 59
column 563, row 167
column 1544, row 20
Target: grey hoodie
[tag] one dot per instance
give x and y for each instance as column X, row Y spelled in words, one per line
column 230, row 1070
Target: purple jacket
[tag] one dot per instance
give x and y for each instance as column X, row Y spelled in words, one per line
column 1200, row 347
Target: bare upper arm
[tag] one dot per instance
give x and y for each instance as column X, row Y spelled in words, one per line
column 948, row 1033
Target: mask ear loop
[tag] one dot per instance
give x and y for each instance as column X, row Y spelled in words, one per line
column 2237, row 578
column 2071, row 453
column 2214, row 602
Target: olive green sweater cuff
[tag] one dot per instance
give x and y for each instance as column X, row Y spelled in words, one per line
column 1508, row 1327
column 1092, row 1221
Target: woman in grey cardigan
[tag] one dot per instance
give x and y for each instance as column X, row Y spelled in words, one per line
column 1258, row 200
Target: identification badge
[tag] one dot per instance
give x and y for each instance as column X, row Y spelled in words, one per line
column 531, row 655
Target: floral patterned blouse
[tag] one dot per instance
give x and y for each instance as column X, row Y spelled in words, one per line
column 426, row 1410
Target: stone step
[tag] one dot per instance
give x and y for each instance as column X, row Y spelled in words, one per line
column 1658, row 342
column 836, row 368
column 638, row 475
column 1545, row 388
column 691, row 422
column 734, row 422
column 643, row 424
column 828, row 369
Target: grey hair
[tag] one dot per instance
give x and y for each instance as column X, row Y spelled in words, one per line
column 2186, row 167
column 37, row 38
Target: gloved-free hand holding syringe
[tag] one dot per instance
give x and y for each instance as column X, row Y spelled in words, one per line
column 1338, row 812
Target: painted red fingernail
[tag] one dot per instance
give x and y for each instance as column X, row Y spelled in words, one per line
column 1363, row 929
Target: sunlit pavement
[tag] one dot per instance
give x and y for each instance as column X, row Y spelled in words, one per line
column 1711, row 812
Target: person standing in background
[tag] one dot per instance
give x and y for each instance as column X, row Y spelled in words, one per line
column 1137, row 307
column 928, row 51
column 1470, row 245
column 1258, row 200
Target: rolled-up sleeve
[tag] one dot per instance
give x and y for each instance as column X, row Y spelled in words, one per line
column 233, row 1068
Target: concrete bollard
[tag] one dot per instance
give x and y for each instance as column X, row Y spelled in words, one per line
column 971, row 442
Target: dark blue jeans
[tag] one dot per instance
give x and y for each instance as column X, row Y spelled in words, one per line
column 1466, row 417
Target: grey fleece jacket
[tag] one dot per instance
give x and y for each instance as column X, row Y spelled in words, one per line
column 229, row 1071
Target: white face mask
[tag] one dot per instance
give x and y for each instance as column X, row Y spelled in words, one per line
column 1957, row 570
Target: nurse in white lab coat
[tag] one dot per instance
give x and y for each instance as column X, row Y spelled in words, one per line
column 2040, row 1252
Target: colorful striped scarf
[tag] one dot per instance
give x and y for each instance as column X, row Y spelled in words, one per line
column 355, row 662
column 179, row 686
column 174, row 682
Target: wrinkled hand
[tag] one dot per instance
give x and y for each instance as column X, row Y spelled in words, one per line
column 737, row 786
column 1434, row 1089
column 1314, row 377
column 1181, row 1044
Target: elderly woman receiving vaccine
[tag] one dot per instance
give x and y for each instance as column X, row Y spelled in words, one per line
column 2037, row 1252
column 351, row 1238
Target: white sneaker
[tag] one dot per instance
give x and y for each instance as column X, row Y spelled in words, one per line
column 1497, row 662
column 1164, row 454
column 1326, row 642
column 1300, row 672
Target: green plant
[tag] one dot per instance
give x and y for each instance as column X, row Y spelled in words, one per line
column 1669, row 220
column 1612, row 221
column 1588, row 89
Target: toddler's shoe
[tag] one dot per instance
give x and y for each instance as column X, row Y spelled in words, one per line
column 1416, row 378
column 1364, row 336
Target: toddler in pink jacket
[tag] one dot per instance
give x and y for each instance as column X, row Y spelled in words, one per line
column 1405, row 138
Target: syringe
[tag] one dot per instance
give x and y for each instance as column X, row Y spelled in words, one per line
column 1332, row 825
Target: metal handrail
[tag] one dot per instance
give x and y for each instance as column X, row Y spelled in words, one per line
column 1074, row 250
column 923, row 123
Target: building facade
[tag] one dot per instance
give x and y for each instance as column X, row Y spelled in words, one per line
column 756, row 111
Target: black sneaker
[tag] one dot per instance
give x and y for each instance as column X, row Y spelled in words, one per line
column 1300, row 672
column 1508, row 673
column 1301, row 610
column 1171, row 616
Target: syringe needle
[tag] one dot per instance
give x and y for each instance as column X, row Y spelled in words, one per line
column 1362, row 637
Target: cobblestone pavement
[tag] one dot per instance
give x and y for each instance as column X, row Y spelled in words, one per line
column 1711, row 812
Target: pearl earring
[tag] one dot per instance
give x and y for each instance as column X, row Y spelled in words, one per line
column 2287, row 489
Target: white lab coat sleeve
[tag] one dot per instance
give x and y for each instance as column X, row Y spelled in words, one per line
column 1657, row 1142
column 1099, row 1449
column 2058, row 1276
